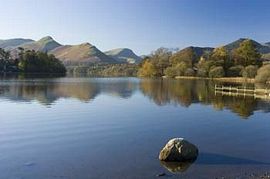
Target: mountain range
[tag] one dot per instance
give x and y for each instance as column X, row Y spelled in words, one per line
column 84, row 53
column 87, row 53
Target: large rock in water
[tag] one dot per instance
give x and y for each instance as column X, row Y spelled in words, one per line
column 178, row 150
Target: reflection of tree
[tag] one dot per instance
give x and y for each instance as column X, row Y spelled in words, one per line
column 243, row 106
column 157, row 90
column 186, row 92
column 160, row 91
column 123, row 89
column 27, row 91
column 48, row 91
column 82, row 91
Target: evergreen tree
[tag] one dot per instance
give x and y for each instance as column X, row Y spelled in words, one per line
column 247, row 54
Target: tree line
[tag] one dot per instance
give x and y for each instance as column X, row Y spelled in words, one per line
column 30, row 61
column 105, row 70
column 243, row 61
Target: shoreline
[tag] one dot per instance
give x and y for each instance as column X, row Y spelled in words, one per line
column 223, row 79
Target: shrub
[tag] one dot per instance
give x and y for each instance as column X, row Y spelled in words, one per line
column 189, row 72
column 180, row 68
column 250, row 71
column 170, row 72
column 263, row 74
column 235, row 71
column 202, row 73
column 80, row 69
column 148, row 69
column 216, row 72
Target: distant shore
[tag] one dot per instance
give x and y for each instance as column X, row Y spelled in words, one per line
column 224, row 79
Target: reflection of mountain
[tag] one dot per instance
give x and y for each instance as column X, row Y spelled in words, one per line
column 186, row 92
column 47, row 92
column 160, row 91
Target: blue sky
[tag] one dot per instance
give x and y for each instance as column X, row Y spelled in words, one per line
column 142, row 25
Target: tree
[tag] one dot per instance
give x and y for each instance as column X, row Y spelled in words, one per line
column 216, row 72
column 181, row 68
column 204, row 67
column 39, row 62
column 170, row 72
column 221, row 57
column 147, row 70
column 5, row 60
column 235, row 71
column 155, row 65
column 186, row 56
column 177, row 70
column 263, row 74
column 189, row 72
column 250, row 71
column 160, row 59
column 202, row 73
column 247, row 54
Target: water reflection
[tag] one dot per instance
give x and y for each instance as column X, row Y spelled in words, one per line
column 48, row 91
column 160, row 91
column 187, row 92
column 176, row 167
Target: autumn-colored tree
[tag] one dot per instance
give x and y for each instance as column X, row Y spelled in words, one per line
column 147, row 70
column 160, row 59
column 186, row 56
column 221, row 57
column 177, row 70
column 155, row 65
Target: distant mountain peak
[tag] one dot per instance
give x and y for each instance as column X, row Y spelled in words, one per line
column 243, row 39
column 10, row 44
column 119, row 50
column 84, row 53
column 261, row 48
column 45, row 44
column 46, row 38
column 123, row 55
column 86, row 44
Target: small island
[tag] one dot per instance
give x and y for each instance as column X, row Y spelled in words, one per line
column 30, row 61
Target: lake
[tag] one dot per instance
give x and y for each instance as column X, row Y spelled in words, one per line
column 115, row 127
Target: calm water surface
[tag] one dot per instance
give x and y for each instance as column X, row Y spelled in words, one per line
column 115, row 128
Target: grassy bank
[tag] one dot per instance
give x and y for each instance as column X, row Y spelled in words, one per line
column 224, row 79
